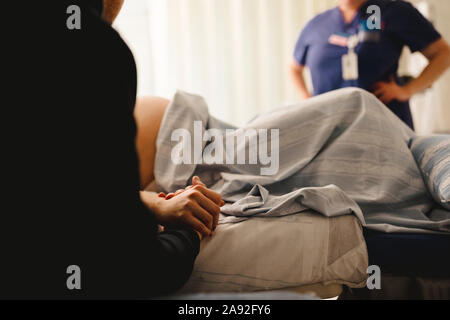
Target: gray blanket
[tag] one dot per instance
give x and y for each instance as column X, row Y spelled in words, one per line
column 340, row 153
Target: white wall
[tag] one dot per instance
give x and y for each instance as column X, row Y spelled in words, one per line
column 431, row 110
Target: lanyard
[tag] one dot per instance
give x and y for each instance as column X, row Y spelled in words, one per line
column 350, row 60
column 353, row 42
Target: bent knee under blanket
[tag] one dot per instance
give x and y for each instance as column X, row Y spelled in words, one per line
column 340, row 153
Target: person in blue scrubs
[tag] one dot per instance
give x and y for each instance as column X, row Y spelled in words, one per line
column 359, row 43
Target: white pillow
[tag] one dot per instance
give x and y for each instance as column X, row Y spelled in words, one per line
column 432, row 154
column 275, row 253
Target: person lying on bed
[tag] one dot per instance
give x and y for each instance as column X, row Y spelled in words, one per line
column 75, row 224
column 151, row 110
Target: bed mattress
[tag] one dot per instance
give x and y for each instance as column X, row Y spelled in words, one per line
column 420, row 255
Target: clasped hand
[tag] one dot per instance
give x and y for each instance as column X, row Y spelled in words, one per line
column 196, row 206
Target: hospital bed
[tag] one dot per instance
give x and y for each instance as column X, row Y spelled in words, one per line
column 277, row 239
column 413, row 266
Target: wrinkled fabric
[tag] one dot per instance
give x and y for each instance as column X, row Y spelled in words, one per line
column 341, row 153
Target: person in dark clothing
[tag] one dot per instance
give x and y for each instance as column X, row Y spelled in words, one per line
column 74, row 198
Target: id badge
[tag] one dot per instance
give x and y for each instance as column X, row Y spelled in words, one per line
column 350, row 66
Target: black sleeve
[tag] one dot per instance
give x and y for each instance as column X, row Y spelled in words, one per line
column 184, row 245
column 74, row 197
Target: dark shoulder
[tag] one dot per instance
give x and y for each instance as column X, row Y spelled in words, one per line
column 393, row 7
column 102, row 67
column 97, row 36
column 395, row 13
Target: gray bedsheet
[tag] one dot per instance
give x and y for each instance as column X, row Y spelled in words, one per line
column 340, row 153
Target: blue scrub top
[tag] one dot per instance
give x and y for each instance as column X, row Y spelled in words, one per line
column 378, row 52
